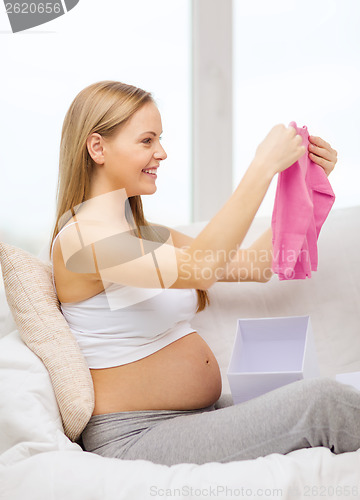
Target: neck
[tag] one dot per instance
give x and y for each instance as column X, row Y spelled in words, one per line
column 104, row 205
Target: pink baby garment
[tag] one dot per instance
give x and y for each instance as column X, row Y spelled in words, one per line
column 303, row 200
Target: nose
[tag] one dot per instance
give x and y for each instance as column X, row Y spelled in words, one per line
column 161, row 155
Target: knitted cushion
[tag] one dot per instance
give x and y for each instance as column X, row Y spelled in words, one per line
column 37, row 314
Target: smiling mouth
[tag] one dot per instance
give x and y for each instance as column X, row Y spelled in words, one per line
column 148, row 173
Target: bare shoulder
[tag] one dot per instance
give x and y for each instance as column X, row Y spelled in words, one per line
column 72, row 282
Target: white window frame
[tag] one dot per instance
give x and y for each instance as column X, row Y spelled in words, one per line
column 212, row 106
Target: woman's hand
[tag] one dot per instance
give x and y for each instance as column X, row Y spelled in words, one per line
column 322, row 153
column 280, row 149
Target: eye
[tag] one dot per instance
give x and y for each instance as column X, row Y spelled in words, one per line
column 149, row 139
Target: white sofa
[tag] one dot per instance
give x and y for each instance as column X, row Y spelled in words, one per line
column 42, row 463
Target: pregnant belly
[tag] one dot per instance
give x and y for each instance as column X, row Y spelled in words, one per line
column 184, row 375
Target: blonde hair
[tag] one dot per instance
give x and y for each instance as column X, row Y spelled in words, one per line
column 102, row 107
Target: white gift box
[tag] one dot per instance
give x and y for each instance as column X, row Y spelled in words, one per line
column 269, row 353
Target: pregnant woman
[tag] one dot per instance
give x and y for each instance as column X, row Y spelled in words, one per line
column 128, row 290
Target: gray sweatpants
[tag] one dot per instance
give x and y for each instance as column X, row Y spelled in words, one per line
column 303, row 414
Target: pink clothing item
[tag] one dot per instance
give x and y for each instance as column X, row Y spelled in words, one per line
column 303, row 200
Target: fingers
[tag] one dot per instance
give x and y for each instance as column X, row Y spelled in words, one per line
column 298, row 138
column 321, row 152
column 328, row 166
column 324, row 157
column 317, row 141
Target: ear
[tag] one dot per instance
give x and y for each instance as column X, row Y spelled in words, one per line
column 94, row 145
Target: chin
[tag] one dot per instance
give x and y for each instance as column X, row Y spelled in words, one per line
column 149, row 194
column 150, row 190
column 144, row 192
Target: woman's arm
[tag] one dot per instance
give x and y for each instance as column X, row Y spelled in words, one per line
column 249, row 264
column 253, row 263
column 105, row 250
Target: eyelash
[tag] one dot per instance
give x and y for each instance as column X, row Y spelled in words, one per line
column 149, row 139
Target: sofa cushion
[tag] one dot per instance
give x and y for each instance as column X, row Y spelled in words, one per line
column 36, row 311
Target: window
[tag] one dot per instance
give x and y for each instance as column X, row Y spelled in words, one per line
column 298, row 61
column 141, row 43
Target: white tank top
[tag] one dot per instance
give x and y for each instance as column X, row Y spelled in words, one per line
column 111, row 337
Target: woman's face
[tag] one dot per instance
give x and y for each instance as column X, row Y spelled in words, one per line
column 120, row 161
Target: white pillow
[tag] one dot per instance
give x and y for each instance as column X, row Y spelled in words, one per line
column 5, row 315
column 30, row 420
